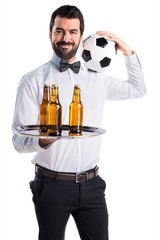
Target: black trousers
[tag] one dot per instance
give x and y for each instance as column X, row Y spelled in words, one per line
column 55, row 200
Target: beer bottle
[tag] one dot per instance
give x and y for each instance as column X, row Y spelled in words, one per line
column 44, row 107
column 76, row 112
column 55, row 112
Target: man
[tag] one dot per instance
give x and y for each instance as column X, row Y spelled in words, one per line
column 66, row 173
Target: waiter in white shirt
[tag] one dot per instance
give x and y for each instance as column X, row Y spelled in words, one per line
column 67, row 179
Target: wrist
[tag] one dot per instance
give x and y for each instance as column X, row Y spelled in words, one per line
column 45, row 143
column 42, row 144
column 128, row 52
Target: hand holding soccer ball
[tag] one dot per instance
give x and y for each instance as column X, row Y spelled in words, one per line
column 120, row 45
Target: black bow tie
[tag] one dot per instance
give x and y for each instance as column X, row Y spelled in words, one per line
column 64, row 65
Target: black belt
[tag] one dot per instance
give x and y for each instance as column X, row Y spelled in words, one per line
column 72, row 177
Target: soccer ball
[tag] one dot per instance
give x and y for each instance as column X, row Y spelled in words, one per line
column 97, row 52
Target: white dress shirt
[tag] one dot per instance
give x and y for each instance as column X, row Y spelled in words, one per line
column 71, row 155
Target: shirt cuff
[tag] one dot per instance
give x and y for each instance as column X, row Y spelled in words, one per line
column 132, row 59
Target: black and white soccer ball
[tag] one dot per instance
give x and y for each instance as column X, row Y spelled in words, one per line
column 97, row 52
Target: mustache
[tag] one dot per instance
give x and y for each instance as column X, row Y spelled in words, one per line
column 66, row 43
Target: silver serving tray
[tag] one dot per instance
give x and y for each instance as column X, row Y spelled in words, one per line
column 35, row 131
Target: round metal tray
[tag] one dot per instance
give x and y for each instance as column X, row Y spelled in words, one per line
column 35, row 131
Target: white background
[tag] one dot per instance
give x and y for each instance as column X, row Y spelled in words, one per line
column 130, row 152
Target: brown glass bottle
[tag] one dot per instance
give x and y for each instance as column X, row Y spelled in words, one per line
column 44, row 108
column 76, row 112
column 54, row 112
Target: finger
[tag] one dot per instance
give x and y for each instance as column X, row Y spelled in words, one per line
column 109, row 34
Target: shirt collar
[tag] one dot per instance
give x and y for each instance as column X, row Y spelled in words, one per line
column 55, row 59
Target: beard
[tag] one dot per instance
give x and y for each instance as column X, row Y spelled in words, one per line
column 65, row 54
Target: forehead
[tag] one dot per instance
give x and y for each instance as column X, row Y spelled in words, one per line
column 66, row 23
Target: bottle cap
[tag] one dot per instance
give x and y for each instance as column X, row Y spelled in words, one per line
column 77, row 86
column 46, row 85
column 54, row 86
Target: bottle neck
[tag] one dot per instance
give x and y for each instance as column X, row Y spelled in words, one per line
column 76, row 95
column 46, row 94
column 55, row 95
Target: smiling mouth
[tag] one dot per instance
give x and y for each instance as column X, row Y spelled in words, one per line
column 65, row 44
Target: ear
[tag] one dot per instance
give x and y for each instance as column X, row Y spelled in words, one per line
column 50, row 35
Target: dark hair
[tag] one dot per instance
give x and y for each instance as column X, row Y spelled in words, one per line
column 68, row 11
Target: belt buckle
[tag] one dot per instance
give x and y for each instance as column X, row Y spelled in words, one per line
column 78, row 175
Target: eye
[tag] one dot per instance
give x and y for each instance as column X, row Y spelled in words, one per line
column 73, row 32
column 58, row 31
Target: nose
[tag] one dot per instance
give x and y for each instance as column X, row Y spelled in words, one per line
column 66, row 37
